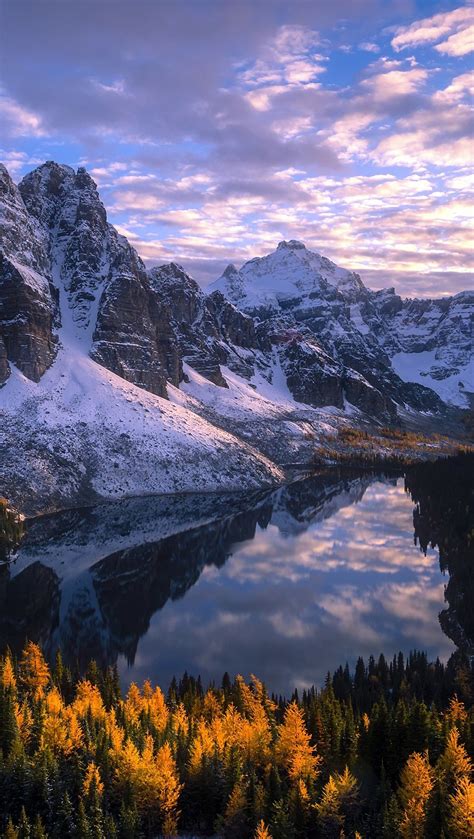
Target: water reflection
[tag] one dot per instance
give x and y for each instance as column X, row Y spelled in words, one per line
column 287, row 584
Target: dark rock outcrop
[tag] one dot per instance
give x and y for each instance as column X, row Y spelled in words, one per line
column 107, row 293
column 27, row 306
column 133, row 335
column 210, row 330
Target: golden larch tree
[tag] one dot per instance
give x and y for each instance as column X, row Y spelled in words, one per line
column 34, row 672
column 461, row 817
column 414, row 793
column 293, row 749
column 262, row 831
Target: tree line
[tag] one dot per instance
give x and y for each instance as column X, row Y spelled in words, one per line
column 380, row 753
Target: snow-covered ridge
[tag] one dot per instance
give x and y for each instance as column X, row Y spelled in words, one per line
column 120, row 381
column 428, row 342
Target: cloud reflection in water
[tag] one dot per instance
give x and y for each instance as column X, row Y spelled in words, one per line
column 292, row 604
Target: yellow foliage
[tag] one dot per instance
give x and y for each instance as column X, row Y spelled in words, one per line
column 339, row 790
column 262, row 831
column 61, row 728
column 133, row 705
column 114, row 731
column 169, row 789
column 154, row 779
column 7, row 678
column 180, row 722
column 212, row 707
column 202, row 746
column 53, row 702
column 456, row 711
column 89, row 701
column 293, row 748
column 416, row 785
column 24, row 720
column 34, row 672
column 92, row 778
column 156, row 707
column 461, row 820
column 455, row 762
column 236, row 804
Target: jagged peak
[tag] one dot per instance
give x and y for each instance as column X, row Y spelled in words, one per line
column 291, row 245
column 230, row 270
column 171, row 273
column 4, row 171
column 52, row 164
column 7, row 185
column 169, row 268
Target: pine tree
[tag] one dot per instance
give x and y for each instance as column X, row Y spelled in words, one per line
column 66, row 820
column 129, row 822
column 234, row 823
column 83, row 830
column 38, row 831
column 11, row 831
column 338, row 804
column 24, row 827
column 281, row 825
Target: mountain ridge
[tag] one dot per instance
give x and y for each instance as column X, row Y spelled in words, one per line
column 118, row 380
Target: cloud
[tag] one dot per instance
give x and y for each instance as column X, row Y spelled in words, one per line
column 395, row 83
column 369, row 46
column 304, row 594
column 18, row 121
column 216, row 129
column 461, row 43
column 455, row 24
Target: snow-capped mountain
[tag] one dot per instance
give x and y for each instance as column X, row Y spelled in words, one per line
column 121, row 381
column 386, row 339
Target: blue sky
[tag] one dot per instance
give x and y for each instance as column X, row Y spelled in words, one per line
column 215, row 129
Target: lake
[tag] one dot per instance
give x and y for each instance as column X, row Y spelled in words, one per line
column 286, row 584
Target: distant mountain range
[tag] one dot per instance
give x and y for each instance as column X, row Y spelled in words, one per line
column 121, row 381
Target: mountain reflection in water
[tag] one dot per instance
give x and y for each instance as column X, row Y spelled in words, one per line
column 287, row 584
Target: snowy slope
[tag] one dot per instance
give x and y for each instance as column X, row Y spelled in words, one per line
column 119, row 382
column 388, row 340
column 85, row 433
column 288, row 272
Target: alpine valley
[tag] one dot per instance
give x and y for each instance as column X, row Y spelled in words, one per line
column 120, row 381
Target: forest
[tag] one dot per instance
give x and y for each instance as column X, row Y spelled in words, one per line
column 386, row 751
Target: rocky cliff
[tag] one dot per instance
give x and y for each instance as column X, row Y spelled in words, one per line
column 120, row 380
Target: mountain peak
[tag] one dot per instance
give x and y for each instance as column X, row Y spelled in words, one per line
column 230, row 271
column 291, row 245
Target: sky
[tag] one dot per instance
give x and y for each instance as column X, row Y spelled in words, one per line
column 216, row 128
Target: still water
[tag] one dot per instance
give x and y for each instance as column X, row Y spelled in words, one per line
column 286, row 584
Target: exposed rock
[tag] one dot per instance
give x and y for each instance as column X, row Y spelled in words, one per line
column 27, row 307
column 134, row 337
column 210, row 330
column 26, row 319
column 370, row 332
column 4, row 365
column 106, row 288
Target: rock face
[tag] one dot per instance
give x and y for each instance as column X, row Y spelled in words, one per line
column 133, row 335
column 103, row 281
column 414, row 353
column 145, row 383
column 27, row 300
column 210, row 330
